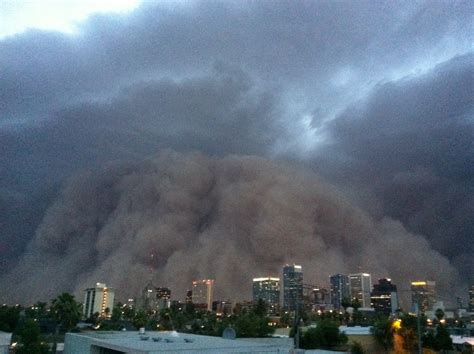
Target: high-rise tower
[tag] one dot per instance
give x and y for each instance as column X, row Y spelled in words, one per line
column 202, row 293
column 360, row 286
column 339, row 290
column 267, row 289
column 423, row 294
column 292, row 287
column 384, row 298
column 98, row 299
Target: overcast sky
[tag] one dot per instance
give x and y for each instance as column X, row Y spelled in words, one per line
column 375, row 97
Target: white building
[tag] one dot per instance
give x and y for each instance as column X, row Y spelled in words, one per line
column 360, row 285
column 169, row 342
column 98, row 300
column 5, row 340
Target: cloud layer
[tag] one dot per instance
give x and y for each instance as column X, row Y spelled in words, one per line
column 375, row 98
column 227, row 218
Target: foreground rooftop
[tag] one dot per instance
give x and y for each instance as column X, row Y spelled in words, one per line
column 165, row 342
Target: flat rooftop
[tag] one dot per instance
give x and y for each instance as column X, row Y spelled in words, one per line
column 165, row 342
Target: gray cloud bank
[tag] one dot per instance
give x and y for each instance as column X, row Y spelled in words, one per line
column 376, row 98
column 226, row 218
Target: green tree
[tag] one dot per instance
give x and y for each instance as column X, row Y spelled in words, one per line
column 30, row 339
column 252, row 325
column 408, row 330
column 345, row 303
column 325, row 335
column 66, row 311
column 9, row 317
column 116, row 313
column 38, row 310
column 443, row 340
column 355, row 303
column 128, row 313
column 382, row 330
column 260, row 308
column 439, row 314
column 356, row 348
column 140, row 319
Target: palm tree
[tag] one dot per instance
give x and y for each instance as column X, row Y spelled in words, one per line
column 66, row 312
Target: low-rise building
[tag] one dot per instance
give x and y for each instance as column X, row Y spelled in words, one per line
column 166, row 342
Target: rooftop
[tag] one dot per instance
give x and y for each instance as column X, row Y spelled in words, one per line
column 161, row 342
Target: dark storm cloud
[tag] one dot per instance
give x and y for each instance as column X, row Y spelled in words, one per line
column 243, row 78
column 304, row 45
column 410, row 146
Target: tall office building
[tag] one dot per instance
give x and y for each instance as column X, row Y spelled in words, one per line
column 267, row 289
column 203, row 292
column 149, row 301
column 423, row 293
column 339, row 289
column 98, row 299
column 360, row 285
column 292, row 287
column 471, row 299
column 384, row 297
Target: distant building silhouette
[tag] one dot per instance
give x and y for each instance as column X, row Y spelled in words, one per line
column 163, row 297
column 423, row 293
column 292, row 287
column 320, row 299
column 267, row 289
column 339, row 289
column 384, row 297
column 360, row 285
column 203, row 292
column 149, row 302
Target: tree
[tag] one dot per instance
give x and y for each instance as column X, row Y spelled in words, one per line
column 30, row 339
column 260, row 308
column 382, row 330
column 355, row 303
column 443, row 340
column 9, row 317
column 252, row 325
column 356, row 348
column 325, row 335
column 140, row 319
column 38, row 310
column 66, row 311
column 116, row 313
column 345, row 303
column 439, row 314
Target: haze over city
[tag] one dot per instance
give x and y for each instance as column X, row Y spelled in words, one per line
column 230, row 138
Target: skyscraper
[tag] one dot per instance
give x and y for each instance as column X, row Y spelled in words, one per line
column 360, row 285
column 292, row 287
column 203, row 292
column 98, row 299
column 267, row 289
column 339, row 289
column 384, row 297
column 423, row 293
